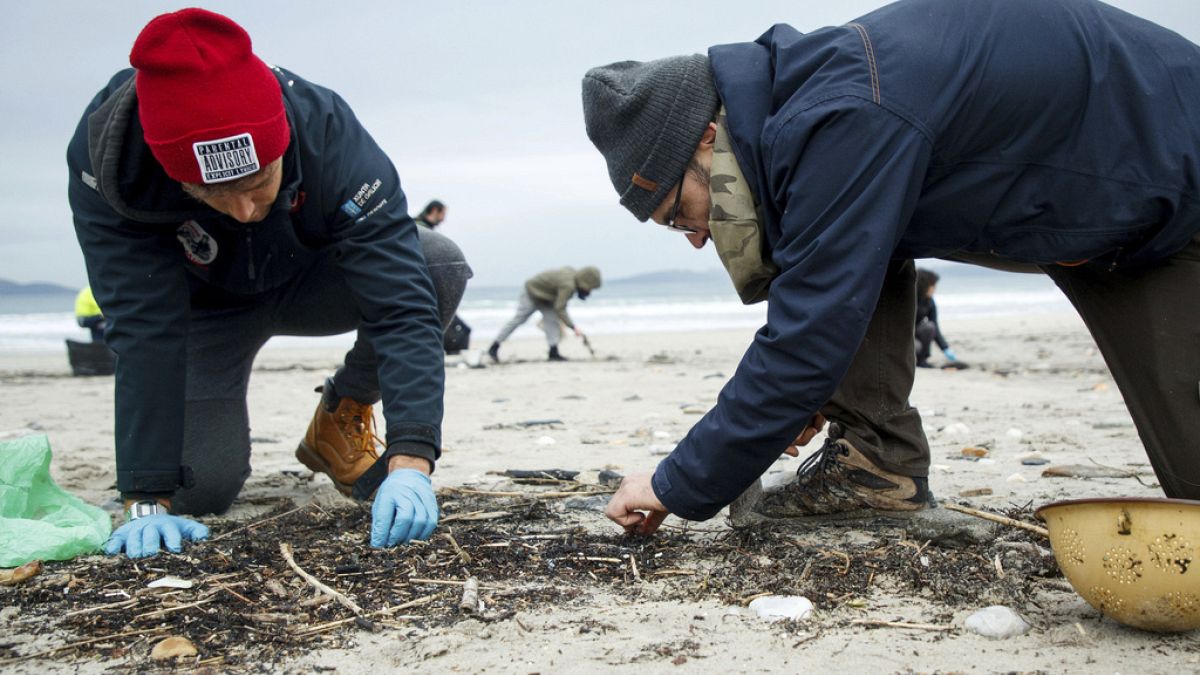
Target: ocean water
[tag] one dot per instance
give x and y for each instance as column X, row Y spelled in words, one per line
column 696, row 302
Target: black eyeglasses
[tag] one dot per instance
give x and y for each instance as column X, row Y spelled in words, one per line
column 671, row 224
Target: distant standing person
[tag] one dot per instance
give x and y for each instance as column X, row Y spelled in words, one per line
column 548, row 293
column 928, row 330
column 432, row 215
column 457, row 336
column 88, row 314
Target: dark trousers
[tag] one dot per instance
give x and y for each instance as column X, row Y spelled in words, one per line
column 1145, row 323
column 870, row 407
column 925, row 333
column 224, row 337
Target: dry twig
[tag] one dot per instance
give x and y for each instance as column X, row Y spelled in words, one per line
column 475, row 515
column 73, row 645
column 286, row 550
column 1003, row 520
column 257, row 523
column 528, row 495
column 900, row 624
column 470, row 596
column 463, row 555
column 321, row 628
column 162, row 612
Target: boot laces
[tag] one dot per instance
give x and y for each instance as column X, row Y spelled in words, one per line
column 819, row 465
column 357, row 422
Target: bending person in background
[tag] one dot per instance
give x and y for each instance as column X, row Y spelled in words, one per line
column 548, row 293
column 88, row 314
column 215, row 210
column 928, row 330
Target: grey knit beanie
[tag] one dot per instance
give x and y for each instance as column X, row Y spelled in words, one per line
column 646, row 119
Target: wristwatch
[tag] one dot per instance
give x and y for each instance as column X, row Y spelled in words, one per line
column 143, row 508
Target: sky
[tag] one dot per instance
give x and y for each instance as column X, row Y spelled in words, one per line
column 477, row 104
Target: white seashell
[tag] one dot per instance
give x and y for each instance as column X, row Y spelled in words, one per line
column 782, row 607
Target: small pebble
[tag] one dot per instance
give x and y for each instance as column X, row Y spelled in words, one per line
column 1014, row 433
column 997, row 622
column 1035, row 461
column 1016, row 478
column 956, row 429
column 545, row 440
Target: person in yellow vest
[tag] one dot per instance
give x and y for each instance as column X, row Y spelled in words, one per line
column 88, row 314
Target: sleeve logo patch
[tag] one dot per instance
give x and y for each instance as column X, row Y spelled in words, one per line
column 198, row 246
column 358, row 202
column 226, row 159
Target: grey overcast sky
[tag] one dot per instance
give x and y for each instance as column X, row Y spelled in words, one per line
column 477, row 103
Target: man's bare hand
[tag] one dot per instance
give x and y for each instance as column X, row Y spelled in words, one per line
column 814, row 427
column 634, row 506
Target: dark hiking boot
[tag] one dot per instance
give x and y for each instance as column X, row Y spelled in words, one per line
column 341, row 439
column 838, row 480
column 555, row 356
column 494, row 352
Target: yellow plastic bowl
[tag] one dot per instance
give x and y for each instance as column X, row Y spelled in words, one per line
column 1133, row 559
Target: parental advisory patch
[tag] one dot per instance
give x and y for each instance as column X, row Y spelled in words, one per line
column 226, row 159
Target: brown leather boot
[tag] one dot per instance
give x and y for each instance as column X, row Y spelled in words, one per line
column 838, row 480
column 340, row 442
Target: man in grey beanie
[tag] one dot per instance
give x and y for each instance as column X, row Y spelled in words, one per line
column 1054, row 136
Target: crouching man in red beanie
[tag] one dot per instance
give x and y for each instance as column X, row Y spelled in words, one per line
column 219, row 202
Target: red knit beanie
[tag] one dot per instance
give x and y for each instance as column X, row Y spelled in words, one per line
column 211, row 110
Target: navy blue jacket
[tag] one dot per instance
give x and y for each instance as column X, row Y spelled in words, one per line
column 139, row 236
column 1037, row 131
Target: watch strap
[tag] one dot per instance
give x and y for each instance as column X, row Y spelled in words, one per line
column 144, row 507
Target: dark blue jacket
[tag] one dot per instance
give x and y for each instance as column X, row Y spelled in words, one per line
column 141, row 240
column 1037, row 131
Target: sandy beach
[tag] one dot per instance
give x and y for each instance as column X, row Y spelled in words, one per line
column 1038, row 387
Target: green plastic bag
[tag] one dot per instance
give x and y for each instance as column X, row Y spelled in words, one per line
column 38, row 519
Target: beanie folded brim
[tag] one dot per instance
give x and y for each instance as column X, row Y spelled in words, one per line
column 647, row 120
column 211, row 111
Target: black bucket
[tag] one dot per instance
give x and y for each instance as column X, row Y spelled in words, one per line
column 457, row 336
column 90, row 358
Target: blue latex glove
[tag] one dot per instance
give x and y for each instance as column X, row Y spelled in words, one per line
column 950, row 354
column 140, row 538
column 404, row 509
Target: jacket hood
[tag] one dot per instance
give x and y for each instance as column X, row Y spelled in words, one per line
column 588, row 278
